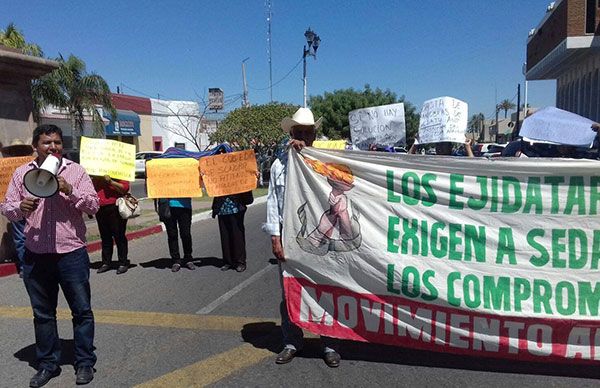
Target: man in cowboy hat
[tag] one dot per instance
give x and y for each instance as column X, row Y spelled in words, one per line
column 303, row 130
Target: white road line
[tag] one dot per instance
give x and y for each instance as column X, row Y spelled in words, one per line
column 229, row 294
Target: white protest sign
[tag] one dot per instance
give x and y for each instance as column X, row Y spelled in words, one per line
column 382, row 125
column 443, row 119
column 558, row 126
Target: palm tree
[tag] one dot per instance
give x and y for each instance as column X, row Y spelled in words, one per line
column 13, row 38
column 506, row 105
column 72, row 88
column 476, row 124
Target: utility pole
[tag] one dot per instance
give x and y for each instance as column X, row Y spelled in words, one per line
column 517, row 126
column 269, row 18
column 245, row 102
column 497, row 108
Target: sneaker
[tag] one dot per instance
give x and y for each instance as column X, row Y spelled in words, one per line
column 190, row 265
column 176, row 267
column 122, row 269
column 240, row 267
column 103, row 268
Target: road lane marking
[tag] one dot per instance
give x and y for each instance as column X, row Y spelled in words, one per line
column 150, row 319
column 229, row 294
column 212, row 369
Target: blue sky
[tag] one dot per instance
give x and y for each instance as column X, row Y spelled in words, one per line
column 468, row 49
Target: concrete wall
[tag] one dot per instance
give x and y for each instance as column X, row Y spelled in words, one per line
column 16, row 120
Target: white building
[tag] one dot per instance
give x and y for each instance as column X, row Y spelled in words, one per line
column 176, row 123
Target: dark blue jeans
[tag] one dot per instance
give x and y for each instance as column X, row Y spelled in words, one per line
column 43, row 274
column 18, row 233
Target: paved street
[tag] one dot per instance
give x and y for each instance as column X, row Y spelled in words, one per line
column 156, row 328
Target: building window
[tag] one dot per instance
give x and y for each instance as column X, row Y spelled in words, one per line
column 590, row 16
column 180, row 145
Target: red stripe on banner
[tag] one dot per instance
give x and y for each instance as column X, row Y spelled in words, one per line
column 340, row 313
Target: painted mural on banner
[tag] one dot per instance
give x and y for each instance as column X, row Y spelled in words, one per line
column 382, row 125
column 502, row 262
column 443, row 119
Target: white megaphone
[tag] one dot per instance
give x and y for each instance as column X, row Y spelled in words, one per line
column 42, row 181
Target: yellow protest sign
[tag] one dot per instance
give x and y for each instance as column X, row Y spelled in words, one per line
column 173, row 178
column 7, row 168
column 330, row 144
column 230, row 173
column 108, row 157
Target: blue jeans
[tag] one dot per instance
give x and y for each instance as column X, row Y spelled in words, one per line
column 18, row 234
column 43, row 274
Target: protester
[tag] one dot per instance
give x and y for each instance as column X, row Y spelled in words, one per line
column 179, row 216
column 56, row 255
column 110, row 223
column 302, row 129
column 18, row 148
column 231, row 210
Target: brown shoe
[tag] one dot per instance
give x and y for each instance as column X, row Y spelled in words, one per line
column 332, row 359
column 286, row 355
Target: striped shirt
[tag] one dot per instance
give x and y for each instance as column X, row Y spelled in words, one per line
column 57, row 225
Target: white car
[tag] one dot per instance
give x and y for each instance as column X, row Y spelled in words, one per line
column 140, row 161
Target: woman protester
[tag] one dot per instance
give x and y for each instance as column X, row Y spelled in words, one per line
column 110, row 223
column 231, row 210
column 176, row 214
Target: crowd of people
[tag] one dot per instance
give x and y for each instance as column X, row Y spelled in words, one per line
column 50, row 239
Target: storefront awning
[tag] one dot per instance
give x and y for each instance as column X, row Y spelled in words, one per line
column 127, row 123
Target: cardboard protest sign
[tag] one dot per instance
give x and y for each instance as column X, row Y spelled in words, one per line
column 330, row 144
column 383, row 125
column 173, row 178
column 558, row 126
column 443, row 119
column 108, row 157
column 230, row 173
column 7, row 168
column 444, row 256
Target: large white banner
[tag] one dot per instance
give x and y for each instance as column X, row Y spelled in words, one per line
column 443, row 119
column 383, row 125
column 446, row 254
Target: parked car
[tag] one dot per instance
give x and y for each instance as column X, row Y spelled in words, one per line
column 140, row 161
column 488, row 150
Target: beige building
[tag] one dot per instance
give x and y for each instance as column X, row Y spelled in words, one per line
column 565, row 47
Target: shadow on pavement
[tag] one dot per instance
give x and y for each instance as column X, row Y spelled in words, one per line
column 67, row 357
column 267, row 335
column 165, row 262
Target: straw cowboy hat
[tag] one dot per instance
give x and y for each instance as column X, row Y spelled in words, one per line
column 303, row 116
column 17, row 148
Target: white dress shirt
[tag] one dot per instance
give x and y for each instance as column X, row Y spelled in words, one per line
column 275, row 196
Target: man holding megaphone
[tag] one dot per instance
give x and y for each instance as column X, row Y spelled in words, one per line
column 51, row 193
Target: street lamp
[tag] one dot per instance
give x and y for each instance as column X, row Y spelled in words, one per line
column 310, row 49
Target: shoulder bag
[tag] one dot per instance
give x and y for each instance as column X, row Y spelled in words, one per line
column 129, row 206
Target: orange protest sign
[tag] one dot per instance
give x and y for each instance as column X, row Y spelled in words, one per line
column 230, row 173
column 173, row 178
column 7, row 168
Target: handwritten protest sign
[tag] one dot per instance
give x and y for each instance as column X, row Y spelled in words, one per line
column 559, row 126
column 383, row 125
column 230, row 173
column 108, row 157
column 443, row 256
column 443, row 119
column 7, row 168
column 330, row 144
column 173, row 178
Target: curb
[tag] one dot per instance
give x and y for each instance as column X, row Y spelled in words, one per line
column 7, row 269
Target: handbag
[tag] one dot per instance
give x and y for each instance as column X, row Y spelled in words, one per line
column 129, row 206
column 163, row 209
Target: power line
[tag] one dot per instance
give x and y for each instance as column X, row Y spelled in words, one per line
column 284, row 77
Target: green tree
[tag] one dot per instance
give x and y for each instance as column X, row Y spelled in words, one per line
column 13, row 38
column 476, row 124
column 335, row 106
column 506, row 105
column 70, row 87
column 257, row 127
